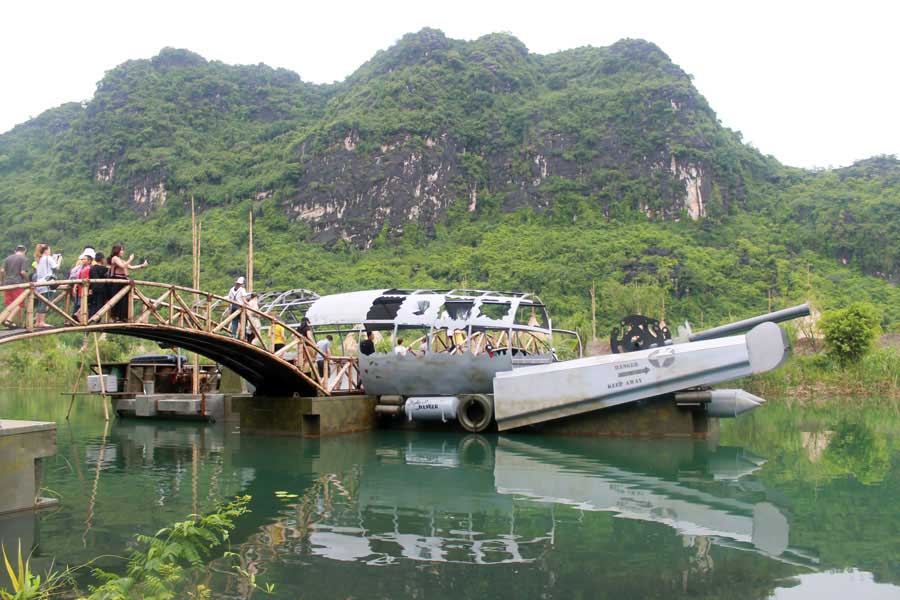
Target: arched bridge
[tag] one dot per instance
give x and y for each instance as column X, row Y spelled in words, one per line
column 194, row 320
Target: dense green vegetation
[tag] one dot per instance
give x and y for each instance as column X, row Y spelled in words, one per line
column 850, row 332
column 59, row 360
column 252, row 138
column 169, row 564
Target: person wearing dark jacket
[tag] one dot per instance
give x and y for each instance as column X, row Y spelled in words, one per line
column 98, row 293
column 367, row 346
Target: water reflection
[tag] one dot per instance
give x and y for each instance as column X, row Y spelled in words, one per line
column 394, row 514
column 714, row 497
column 461, row 500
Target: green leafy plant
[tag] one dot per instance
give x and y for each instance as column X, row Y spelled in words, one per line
column 160, row 568
column 850, row 332
column 27, row 585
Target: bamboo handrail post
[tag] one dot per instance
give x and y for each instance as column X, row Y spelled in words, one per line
column 29, row 309
column 83, row 309
column 130, row 312
column 15, row 306
column 272, row 333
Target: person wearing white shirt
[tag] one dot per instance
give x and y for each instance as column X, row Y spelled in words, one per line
column 400, row 349
column 236, row 296
column 46, row 264
column 324, row 347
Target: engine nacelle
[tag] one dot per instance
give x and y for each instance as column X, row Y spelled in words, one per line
column 724, row 404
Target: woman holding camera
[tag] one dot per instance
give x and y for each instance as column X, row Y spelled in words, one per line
column 45, row 264
column 119, row 269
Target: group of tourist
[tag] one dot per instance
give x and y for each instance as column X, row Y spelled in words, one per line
column 45, row 268
column 238, row 295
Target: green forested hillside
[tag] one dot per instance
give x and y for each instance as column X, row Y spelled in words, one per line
column 448, row 163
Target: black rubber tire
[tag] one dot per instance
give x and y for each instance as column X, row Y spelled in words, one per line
column 475, row 412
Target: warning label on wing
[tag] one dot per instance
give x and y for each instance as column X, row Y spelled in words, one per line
column 662, row 357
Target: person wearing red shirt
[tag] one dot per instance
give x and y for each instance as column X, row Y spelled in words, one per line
column 87, row 259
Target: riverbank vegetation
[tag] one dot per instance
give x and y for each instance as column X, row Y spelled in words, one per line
column 843, row 365
column 56, row 361
column 820, row 380
column 169, row 564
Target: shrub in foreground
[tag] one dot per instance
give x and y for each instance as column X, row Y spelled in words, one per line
column 850, row 332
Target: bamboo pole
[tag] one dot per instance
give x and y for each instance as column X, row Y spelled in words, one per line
column 594, row 309
column 93, row 501
column 195, row 471
column 102, row 381
column 75, row 386
column 195, row 264
column 250, row 253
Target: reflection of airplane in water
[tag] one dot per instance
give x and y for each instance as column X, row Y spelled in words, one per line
column 483, row 501
column 722, row 507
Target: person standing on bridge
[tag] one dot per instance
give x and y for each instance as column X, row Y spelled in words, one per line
column 277, row 332
column 236, row 296
column 119, row 268
column 46, row 265
column 98, row 293
column 323, row 354
column 253, row 323
column 305, row 330
column 367, row 346
column 81, row 271
column 15, row 270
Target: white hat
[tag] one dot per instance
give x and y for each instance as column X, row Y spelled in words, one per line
column 89, row 252
column 240, row 280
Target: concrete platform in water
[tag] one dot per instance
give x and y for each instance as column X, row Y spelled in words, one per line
column 204, row 407
column 22, row 446
column 659, row 417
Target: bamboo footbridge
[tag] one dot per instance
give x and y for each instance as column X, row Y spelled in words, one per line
column 187, row 318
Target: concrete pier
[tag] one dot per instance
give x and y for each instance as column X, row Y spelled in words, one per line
column 305, row 416
column 22, row 446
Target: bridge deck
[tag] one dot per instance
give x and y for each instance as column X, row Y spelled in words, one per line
column 241, row 338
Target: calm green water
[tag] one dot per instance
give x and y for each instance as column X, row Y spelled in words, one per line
column 787, row 504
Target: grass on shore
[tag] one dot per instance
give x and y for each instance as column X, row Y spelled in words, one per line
column 818, row 378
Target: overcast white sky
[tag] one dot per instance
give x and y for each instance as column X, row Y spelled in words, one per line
column 813, row 83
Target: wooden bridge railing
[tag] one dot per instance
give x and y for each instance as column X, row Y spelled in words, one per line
column 107, row 302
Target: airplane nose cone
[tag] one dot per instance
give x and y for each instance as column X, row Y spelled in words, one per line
column 727, row 404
